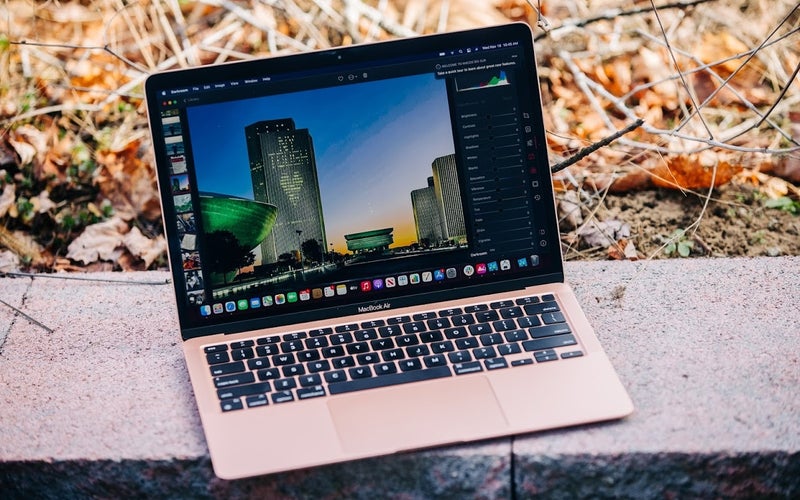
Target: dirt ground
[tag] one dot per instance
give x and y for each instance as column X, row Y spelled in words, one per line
column 735, row 223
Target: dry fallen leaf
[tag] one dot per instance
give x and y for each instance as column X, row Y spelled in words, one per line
column 143, row 247
column 692, row 172
column 101, row 241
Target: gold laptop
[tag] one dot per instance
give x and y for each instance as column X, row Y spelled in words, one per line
column 365, row 252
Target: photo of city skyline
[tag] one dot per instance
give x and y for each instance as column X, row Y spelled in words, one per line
column 367, row 146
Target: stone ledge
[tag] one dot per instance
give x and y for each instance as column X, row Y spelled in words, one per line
column 709, row 350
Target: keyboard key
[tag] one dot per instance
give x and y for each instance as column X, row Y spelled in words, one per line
column 267, row 350
column 440, row 347
column 398, row 320
column 459, row 357
column 393, row 354
column 540, row 308
column 414, row 327
column 491, row 339
column 407, row 340
column 375, row 323
column 464, row 368
column 484, row 352
column 335, row 376
column 417, row 350
column 501, row 304
column 504, row 324
column 236, row 379
column 389, row 331
column 283, row 359
column 432, row 336
column 544, row 356
column 231, row 404
column 293, row 370
column 385, row 368
column 285, row 384
column 462, row 320
column 360, row 372
column 215, row 348
column 343, row 362
column 368, row 334
column 243, row 390
column 294, row 336
column 507, row 349
column 423, row 316
column 242, row 344
column 292, row 346
column 521, row 362
column 549, row 330
column 390, row 379
column 548, row 297
column 215, row 358
column 553, row 317
column 306, row 356
column 407, row 365
column 316, row 343
column 480, row 329
column 571, row 354
column 528, row 321
column 282, row 397
column 227, row 368
column 434, row 360
column 319, row 366
column 495, row 363
column 381, row 344
column 527, row 300
column 257, row 363
column 346, row 328
column 318, row 332
column 476, row 308
column 240, row 354
column 438, row 323
column 457, row 332
column 452, row 311
column 257, row 400
column 357, row 348
column 516, row 335
column 511, row 312
column 268, row 374
column 549, row 343
column 333, row 351
column 368, row 358
column 274, row 339
column 310, row 392
column 341, row 338
column 487, row 316
column 467, row 343
column 310, row 380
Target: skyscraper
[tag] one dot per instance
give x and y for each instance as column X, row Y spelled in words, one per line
column 284, row 173
column 427, row 217
column 448, row 197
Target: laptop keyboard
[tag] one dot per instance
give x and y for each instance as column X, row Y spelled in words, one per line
column 396, row 350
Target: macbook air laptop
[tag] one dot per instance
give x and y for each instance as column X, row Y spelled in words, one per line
column 365, row 252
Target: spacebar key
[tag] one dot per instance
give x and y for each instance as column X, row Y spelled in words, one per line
column 391, row 379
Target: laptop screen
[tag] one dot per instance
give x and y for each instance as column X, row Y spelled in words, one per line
column 354, row 180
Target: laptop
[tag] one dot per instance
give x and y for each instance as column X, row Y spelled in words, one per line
column 365, row 252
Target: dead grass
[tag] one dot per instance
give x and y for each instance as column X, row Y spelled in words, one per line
column 714, row 80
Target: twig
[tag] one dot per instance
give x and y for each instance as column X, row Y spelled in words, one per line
column 612, row 14
column 81, row 278
column 18, row 311
column 584, row 152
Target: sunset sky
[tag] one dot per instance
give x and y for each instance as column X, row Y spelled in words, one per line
column 374, row 143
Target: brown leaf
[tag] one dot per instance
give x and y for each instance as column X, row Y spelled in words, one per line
column 101, row 241
column 693, row 172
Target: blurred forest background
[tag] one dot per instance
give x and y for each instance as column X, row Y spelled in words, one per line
column 713, row 170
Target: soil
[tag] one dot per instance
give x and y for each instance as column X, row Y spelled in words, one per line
column 735, row 223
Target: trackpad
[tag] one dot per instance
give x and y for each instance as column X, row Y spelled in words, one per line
column 417, row 415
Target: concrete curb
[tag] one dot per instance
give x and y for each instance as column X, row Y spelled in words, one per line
column 708, row 348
